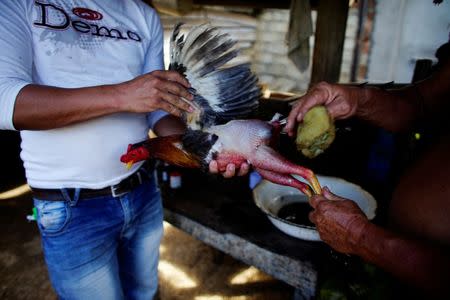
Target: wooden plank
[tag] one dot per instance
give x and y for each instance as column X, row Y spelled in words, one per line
column 301, row 275
column 171, row 7
column 253, row 3
column 250, row 3
column 221, row 213
column 226, row 206
column 329, row 40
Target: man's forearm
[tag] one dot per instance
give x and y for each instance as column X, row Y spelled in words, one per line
column 417, row 263
column 397, row 110
column 42, row 107
column 394, row 110
column 169, row 125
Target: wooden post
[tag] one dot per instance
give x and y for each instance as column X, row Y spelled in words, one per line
column 172, row 7
column 329, row 40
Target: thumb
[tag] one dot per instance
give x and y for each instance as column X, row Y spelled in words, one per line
column 316, row 199
column 329, row 195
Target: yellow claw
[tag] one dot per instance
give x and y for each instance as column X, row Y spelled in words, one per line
column 308, row 192
column 316, row 185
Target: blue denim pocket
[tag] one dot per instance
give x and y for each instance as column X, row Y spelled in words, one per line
column 52, row 216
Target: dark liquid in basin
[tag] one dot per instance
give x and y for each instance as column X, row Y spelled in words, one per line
column 296, row 213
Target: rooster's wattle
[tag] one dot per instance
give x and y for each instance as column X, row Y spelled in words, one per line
column 225, row 93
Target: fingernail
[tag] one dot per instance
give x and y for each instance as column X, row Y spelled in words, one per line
column 191, row 109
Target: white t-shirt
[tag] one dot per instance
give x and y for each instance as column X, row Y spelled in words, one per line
column 69, row 44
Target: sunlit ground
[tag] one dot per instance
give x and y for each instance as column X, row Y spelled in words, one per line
column 15, row 192
column 188, row 269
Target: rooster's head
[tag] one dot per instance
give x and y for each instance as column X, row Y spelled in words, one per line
column 135, row 153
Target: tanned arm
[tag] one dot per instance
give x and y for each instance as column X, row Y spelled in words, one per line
column 169, row 125
column 397, row 110
column 394, row 110
column 416, row 262
column 41, row 107
column 343, row 226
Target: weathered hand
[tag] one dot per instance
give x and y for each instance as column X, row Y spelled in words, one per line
column 165, row 90
column 230, row 169
column 340, row 221
column 340, row 101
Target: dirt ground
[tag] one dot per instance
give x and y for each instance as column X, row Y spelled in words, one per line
column 188, row 268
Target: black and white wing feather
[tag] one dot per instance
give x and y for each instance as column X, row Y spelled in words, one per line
column 222, row 90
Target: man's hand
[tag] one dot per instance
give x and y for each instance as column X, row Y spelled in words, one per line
column 165, row 90
column 230, row 170
column 340, row 101
column 340, row 221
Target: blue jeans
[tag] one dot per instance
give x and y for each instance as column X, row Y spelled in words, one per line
column 105, row 247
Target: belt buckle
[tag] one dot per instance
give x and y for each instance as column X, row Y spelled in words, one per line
column 114, row 188
column 114, row 193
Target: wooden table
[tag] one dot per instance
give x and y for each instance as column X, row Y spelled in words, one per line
column 221, row 213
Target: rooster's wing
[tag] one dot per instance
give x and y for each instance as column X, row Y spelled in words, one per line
column 224, row 88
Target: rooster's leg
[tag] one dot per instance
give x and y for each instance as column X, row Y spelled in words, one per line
column 284, row 179
column 268, row 159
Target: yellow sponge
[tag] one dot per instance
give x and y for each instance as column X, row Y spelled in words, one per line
column 316, row 133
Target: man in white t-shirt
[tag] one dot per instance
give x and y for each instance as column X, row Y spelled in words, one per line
column 80, row 79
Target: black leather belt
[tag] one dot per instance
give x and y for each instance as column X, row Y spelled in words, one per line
column 117, row 190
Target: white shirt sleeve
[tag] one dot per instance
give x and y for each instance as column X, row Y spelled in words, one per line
column 16, row 57
column 154, row 60
column 154, row 57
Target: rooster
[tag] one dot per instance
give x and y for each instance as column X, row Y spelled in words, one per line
column 225, row 95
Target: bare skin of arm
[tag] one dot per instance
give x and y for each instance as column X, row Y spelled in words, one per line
column 394, row 110
column 42, row 107
column 343, row 226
